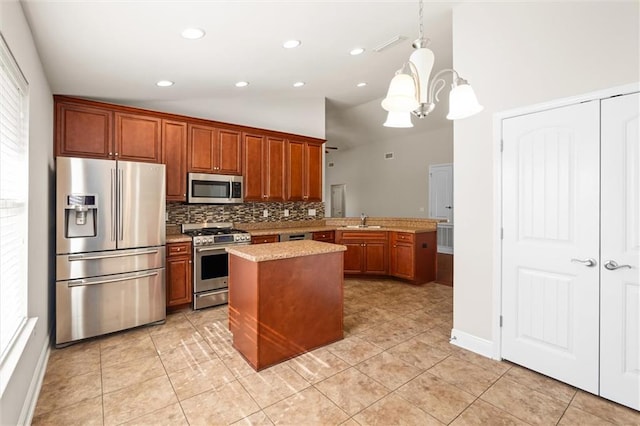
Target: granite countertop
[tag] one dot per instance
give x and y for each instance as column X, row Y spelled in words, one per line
column 285, row 250
column 284, row 231
column 177, row 238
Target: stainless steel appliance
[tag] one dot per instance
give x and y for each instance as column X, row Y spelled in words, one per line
column 211, row 261
column 296, row 237
column 110, row 253
column 208, row 188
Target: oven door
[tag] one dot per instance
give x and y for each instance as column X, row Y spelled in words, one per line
column 211, row 269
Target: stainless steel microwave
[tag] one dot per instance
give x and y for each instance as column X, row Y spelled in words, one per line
column 206, row 188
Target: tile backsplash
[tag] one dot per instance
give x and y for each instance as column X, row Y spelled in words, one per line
column 179, row 213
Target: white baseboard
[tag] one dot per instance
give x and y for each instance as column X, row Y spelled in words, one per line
column 472, row 343
column 31, row 399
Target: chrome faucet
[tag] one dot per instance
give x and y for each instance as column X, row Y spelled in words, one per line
column 363, row 220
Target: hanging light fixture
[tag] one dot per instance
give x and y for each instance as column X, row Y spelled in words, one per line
column 412, row 92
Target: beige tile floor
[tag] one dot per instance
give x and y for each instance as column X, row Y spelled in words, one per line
column 394, row 367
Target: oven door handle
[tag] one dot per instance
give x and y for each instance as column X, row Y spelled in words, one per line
column 202, row 249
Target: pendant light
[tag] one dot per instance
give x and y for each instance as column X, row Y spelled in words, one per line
column 412, row 92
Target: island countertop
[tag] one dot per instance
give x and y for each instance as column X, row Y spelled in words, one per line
column 284, row 250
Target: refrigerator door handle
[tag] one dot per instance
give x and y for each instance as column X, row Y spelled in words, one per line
column 113, row 205
column 74, row 257
column 76, row 283
column 120, row 206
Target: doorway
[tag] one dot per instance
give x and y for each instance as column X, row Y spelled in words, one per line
column 338, row 200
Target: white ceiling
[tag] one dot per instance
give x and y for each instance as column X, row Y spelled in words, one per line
column 117, row 50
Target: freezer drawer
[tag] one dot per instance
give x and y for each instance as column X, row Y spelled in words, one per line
column 74, row 266
column 95, row 306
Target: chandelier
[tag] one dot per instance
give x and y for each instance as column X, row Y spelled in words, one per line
column 411, row 91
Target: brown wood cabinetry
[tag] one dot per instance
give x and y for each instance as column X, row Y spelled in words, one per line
column 83, row 130
column 444, row 271
column 367, row 252
column 264, row 168
column 138, row 138
column 304, row 171
column 179, row 269
column 174, row 156
column 413, row 256
column 325, row 236
column 263, row 239
column 214, row 150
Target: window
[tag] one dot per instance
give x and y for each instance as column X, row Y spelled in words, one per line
column 14, row 194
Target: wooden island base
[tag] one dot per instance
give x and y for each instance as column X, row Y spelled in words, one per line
column 281, row 306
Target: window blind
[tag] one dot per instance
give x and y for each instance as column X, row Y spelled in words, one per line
column 14, row 195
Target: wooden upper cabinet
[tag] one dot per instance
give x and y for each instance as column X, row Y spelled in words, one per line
column 304, row 171
column 83, row 131
column 174, row 156
column 213, row 150
column 264, row 168
column 138, row 138
column 252, row 166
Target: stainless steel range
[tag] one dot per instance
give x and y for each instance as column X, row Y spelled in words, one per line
column 211, row 261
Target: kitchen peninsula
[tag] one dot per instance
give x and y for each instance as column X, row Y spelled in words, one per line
column 284, row 299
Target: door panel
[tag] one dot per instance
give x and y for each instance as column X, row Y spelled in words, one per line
column 141, row 194
column 550, row 184
column 620, row 210
column 441, row 192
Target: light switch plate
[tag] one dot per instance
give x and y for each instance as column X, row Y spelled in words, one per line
column 286, row 212
column 265, row 213
column 312, row 212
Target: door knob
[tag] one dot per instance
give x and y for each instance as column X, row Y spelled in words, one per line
column 448, row 207
column 586, row 262
column 612, row 265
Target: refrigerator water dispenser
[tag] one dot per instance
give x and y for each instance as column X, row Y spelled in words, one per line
column 80, row 216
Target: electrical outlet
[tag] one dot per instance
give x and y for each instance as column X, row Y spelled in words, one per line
column 265, row 213
column 286, row 212
column 312, row 212
column 166, row 217
column 421, row 209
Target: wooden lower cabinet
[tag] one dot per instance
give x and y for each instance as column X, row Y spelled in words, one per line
column 179, row 271
column 367, row 252
column 444, row 274
column 413, row 256
column 324, row 236
column 264, row 239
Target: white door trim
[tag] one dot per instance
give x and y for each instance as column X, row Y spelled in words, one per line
column 497, row 189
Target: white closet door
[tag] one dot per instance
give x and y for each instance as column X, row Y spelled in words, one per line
column 550, row 294
column 441, row 192
column 620, row 288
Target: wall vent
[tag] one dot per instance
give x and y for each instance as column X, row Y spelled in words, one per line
column 388, row 156
column 445, row 238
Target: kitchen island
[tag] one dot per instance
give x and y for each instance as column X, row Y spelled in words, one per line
column 284, row 299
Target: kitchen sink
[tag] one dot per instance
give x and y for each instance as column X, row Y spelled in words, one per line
column 362, row 226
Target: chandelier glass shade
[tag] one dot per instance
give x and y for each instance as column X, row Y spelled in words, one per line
column 413, row 91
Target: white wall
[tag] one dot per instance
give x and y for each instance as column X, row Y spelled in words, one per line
column 517, row 54
column 384, row 188
column 299, row 116
column 19, row 394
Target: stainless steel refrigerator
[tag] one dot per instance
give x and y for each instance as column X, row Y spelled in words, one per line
column 110, row 246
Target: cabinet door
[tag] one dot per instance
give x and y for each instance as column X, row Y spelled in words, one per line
column 228, row 159
column 83, row 131
column 138, row 138
column 375, row 255
column 179, row 289
column 252, row 154
column 174, row 147
column 353, row 257
column 402, row 260
column 295, row 170
column 201, row 148
column 274, row 168
column 313, row 172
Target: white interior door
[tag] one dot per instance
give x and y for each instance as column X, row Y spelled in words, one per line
column 441, row 191
column 550, row 294
column 620, row 243
column 338, row 195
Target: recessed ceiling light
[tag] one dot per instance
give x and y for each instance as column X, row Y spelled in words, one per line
column 290, row 44
column 242, row 84
column 362, row 84
column 298, row 84
column 164, row 83
column 193, row 33
column 356, row 51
